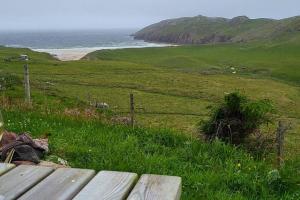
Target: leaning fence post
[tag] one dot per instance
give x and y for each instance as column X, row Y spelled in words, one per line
column 131, row 110
column 280, row 143
column 27, row 84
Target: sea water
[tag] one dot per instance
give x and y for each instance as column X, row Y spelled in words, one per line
column 74, row 42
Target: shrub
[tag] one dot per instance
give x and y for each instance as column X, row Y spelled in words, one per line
column 237, row 118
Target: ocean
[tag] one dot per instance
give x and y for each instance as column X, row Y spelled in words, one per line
column 72, row 45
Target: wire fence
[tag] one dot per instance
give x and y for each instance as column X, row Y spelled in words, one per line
column 179, row 111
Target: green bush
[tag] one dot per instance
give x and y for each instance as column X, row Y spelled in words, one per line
column 237, row 118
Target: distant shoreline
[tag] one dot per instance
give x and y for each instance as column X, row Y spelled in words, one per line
column 74, row 45
column 69, row 54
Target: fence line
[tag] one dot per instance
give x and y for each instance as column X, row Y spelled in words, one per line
column 27, row 84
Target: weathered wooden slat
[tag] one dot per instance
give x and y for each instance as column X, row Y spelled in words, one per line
column 108, row 185
column 63, row 184
column 20, row 179
column 155, row 187
column 5, row 167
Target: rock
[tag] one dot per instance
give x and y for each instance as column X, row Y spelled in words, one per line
column 102, row 106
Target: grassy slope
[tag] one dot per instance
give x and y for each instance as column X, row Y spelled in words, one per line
column 253, row 63
column 168, row 92
column 172, row 95
column 209, row 171
column 207, row 30
column 277, row 61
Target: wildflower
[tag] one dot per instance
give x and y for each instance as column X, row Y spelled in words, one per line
column 239, row 165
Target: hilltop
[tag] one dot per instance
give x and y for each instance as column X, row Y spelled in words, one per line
column 210, row 30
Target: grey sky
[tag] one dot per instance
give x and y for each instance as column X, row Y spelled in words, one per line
column 101, row 14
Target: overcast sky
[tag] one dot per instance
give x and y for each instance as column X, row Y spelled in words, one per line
column 106, row 14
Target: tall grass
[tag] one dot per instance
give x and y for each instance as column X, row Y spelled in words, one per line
column 209, row 171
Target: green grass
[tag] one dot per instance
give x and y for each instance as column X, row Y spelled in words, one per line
column 279, row 61
column 209, row 171
column 174, row 87
column 208, row 30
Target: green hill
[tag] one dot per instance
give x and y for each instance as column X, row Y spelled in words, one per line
column 208, row 30
column 174, row 88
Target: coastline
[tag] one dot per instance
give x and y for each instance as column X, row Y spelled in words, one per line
column 71, row 54
column 74, row 45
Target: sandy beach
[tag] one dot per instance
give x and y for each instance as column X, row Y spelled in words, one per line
column 78, row 53
column 67, row 54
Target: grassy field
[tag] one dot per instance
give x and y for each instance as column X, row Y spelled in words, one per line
column 278, row 61
column 174, row 89
column 209, row 171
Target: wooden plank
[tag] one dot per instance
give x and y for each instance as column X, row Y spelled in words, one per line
column 108, row 185
column 17, row 181
column 4, row 167
column 62, row 184
column 157, row 187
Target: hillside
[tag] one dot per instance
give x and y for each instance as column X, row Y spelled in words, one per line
column 174, row 88
column 200, row 75
column 209, row 30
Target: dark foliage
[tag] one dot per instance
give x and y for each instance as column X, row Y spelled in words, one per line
column 237, row 118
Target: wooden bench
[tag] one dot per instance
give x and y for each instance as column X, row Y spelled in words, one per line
column 36, row 183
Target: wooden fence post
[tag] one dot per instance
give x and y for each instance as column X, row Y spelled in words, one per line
column 27, row 84
column 280, row 143
column 131, row 110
